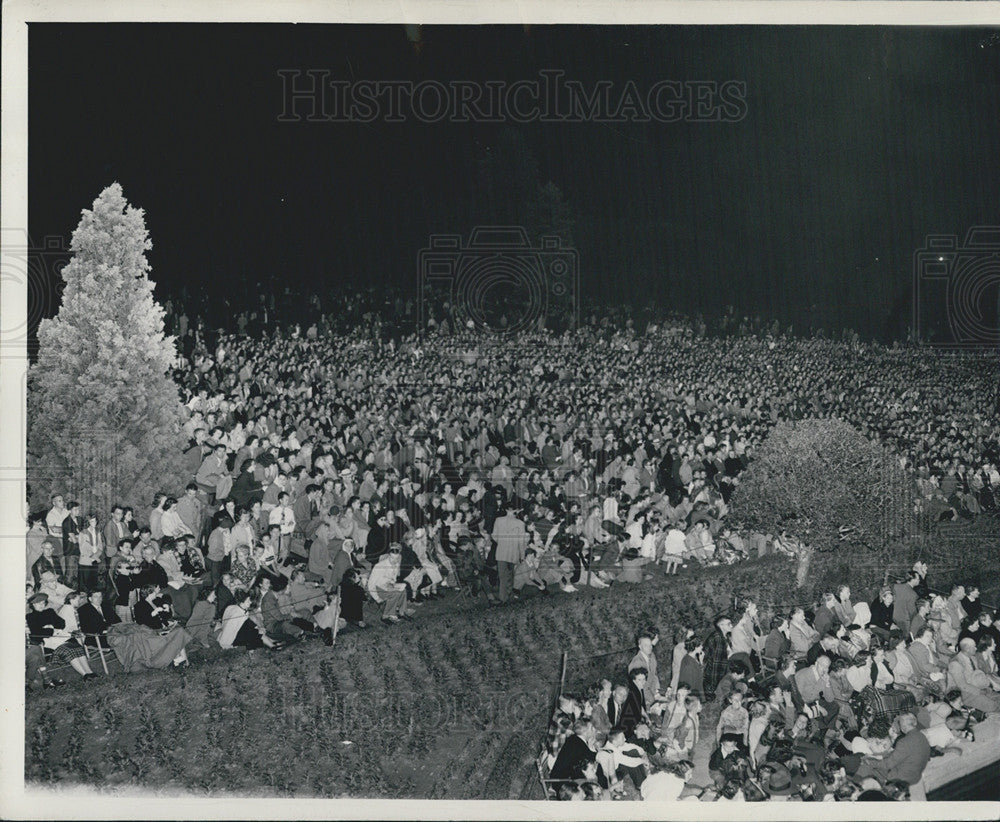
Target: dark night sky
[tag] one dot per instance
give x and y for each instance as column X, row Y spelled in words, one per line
column 856, row 144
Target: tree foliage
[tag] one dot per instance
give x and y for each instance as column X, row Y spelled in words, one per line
column 104, row 415
column 509, row 191
column 828, row 485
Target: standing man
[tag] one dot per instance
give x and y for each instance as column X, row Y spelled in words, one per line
column 71, row 527
column 36, row 536
column 219, row 547
column 645, row 658
column 511, row 538
column 213, row 478
column 717, row 650
column 905, row 602
column 283, row 516
column 54, row 522
column 307, row 518
column 114, row 530
column 191, row 510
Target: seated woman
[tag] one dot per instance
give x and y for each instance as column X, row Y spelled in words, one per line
column 419, row 545
column 945, row 722
column 801, row 635
column 239, row 628
column 901, row 665
column 154, row 611
column 53, row 589
column 946, row 633
column 954, row 612
column 880, row 693
column 47, row 629
column 919, row 619
column 304, row 598
column 243, row 567
column 199, row 624
column 182, row 590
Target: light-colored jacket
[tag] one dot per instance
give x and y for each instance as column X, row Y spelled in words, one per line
column 383, row 575
column 511, row 538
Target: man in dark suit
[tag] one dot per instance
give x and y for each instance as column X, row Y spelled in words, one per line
column 634, row 710
column 575, row 752
column 828, row 644
column 92, row 619
column 616, row 705
column 71, row 528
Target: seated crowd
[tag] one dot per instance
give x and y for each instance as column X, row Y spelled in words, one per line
column 329, row 468
column 841, row 701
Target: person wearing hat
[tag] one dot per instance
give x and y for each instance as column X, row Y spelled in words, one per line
column 53, row 589
column 48, row 629
column 776, row 780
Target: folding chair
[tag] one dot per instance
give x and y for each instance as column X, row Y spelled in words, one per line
column 459, row 585
column 99, row 648
column 46, row 669
column 549, row 786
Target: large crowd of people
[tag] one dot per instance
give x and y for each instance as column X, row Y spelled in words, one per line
column 840, row 701
column 344, row 464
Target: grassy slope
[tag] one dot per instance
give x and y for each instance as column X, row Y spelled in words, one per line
column 452, row 706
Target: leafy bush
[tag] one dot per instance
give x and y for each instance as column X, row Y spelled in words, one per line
column 815, row 477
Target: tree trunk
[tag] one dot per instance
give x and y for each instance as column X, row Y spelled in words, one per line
column 805, row 559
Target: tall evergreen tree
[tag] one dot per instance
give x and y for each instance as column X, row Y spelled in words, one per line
column 104, row 415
